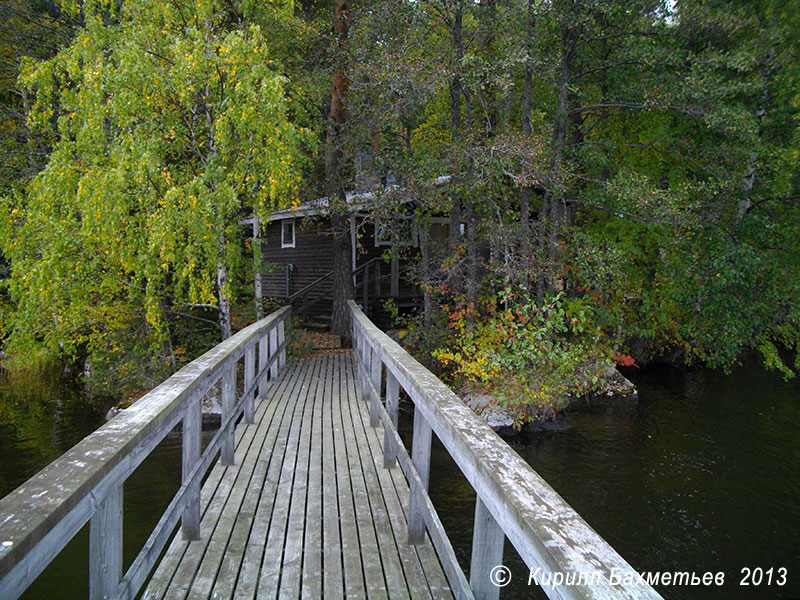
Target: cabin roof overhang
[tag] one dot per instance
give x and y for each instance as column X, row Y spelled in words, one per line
column 355, row 202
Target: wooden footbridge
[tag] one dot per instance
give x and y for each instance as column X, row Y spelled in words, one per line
column 299, row 493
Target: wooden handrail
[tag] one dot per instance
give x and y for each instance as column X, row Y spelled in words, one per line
column 370, row 262
column 307, row 289
column 85, row 484
column 512, row 499
column 304, row 290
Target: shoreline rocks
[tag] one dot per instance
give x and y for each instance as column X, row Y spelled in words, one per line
column 613, row 390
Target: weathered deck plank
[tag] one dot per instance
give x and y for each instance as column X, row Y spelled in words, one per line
column 418, row 586
column 393, row 570
column 351, row 555
column 333, row 576
column 370, row 556
column 308, row 511
column 247, row 583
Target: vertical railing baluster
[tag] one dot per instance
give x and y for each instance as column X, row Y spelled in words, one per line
column 192, row 427
column 487, row 553
column 281, row 339
column 249, row 377
column 105, row 546
column 262, row 363
column 375, row 377
column 273, row 350
column 228, row 401
column 366, row 356
column 421, row 457
column 392, row 403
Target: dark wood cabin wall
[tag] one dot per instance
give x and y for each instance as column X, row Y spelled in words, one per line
column 311, row 257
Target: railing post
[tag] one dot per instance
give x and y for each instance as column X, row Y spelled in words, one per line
column 249, row 377
column 228, row 400
column 377, row 278
column 281, row 339
column 273, row 349
column 487, row 553
column 375, row 377
column 392, row 402
column 105, row 546
column 192, row 426
column 421, row 457
column 262, row 363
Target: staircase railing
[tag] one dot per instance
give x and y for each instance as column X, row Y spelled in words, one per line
column 309, row 296
column 303, row 300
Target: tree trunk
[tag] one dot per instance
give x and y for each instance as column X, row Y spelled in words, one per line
column 222, row 291
column 454, row 232
column 425, row 273
column 554, row 211
column 527, row 130
column 343, row 288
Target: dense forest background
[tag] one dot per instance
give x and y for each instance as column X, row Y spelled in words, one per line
column 620, row 178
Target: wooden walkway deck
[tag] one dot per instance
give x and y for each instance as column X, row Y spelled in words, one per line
column 308, row 510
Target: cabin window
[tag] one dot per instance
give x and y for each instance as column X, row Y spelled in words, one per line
column 287, row 233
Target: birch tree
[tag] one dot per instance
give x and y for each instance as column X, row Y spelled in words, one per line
column 172, row 124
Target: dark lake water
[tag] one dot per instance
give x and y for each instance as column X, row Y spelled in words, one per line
column 41, row 418
column 703, row 475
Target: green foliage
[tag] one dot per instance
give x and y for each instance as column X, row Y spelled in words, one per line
column 529, row 356
column 172, row 124
column 659, row 156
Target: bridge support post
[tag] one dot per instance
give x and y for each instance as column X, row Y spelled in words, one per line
column 375, row 377
column 192, row 426
column 105, row 546
column 487, row 553
column 228, row 401
column 392, row 402
column 262, row 363
column 249, row 376
column 421, row 457
column 273, row 349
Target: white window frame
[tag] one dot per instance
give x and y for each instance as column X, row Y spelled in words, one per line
column 284, row 224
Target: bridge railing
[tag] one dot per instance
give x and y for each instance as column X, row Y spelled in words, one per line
column 512, row 501
column 85, row 484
